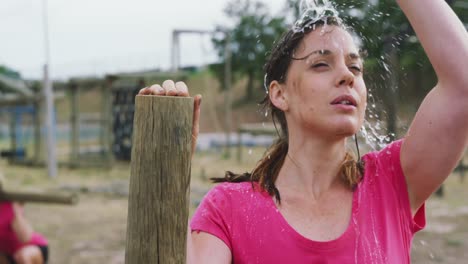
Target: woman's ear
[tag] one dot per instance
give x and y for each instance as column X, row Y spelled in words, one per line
column 278, row 96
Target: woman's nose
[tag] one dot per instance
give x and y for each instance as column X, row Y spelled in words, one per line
column 345, row 77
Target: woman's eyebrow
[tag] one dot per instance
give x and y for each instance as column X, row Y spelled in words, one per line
column 321, row 52
column 354, row 56
column 325, row 52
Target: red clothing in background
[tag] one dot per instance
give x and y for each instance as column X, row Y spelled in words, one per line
column 9, row 243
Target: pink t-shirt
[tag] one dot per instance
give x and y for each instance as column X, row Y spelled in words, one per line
column 380, row 230
column 9, row 243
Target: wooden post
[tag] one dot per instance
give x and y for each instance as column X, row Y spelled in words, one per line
column 227, row 93
column 37, row 197
column 13, row 139
column 37, row 131
column 159, row 180
column 239, row 146
column 105, row 127
column 110, row 118
column 75, row 126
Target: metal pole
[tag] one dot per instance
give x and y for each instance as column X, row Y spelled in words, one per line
column 48, row 94
column 175, row 51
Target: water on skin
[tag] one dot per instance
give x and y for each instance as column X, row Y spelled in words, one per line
column 311, row 12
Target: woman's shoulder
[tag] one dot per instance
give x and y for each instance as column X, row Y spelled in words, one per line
column 390, row 153
column 235, row 188
column 6, row 212
column 384, row 165
column 236, row 193
column 6, row 206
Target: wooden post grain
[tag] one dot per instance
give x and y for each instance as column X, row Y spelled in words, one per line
column 159, row 180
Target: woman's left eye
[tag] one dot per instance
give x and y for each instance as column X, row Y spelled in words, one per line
column 356, row 68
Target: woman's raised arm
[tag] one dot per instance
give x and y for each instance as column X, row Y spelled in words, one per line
column 438, row 134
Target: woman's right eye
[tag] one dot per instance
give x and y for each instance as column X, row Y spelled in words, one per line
column 319, row 65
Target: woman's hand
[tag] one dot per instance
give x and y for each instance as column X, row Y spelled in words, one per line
column 169, row 88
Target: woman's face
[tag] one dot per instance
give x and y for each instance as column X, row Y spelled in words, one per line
column 325, row 92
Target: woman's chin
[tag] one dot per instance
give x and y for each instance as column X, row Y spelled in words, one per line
column 346, row 129
column 345, row 134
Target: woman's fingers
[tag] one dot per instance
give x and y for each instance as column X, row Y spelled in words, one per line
column 170, row 87
column 182, row 89
column 154, row 89
column 196, row 121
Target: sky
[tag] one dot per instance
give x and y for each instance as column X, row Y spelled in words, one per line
column 95, row 37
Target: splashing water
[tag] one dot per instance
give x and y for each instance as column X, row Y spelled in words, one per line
column 265, row 83
column 313, row 11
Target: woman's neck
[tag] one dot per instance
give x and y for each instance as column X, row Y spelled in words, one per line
column 312, row 167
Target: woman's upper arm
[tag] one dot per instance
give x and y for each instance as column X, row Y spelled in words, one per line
column 205, row 248
column 435, row 142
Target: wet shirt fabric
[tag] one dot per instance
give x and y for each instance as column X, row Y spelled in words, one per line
column 9, row 243
column 381, row 227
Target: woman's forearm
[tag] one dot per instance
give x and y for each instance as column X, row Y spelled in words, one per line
column 443, row 37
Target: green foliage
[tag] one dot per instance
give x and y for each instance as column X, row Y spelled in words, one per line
column 9, row 72
column 252, row 31
column 380, row 25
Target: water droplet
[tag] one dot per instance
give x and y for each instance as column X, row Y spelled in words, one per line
column 265, row 85
column 313, row 11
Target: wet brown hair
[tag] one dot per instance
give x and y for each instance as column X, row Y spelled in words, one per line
column 267, row 169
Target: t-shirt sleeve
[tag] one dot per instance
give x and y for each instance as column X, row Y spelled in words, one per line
column 389, row 160
column 214, row 215
column 6, row 211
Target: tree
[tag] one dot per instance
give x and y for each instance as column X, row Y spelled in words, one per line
column 252, row 32
column 390, row 43
column 4, row 70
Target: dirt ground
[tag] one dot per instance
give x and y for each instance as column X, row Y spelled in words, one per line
column 93, row 231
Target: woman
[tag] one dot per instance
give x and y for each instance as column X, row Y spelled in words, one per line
column 308, row 200
column 18, row 242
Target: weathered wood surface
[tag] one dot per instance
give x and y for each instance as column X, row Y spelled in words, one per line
column 160, row 180
column 36, row 197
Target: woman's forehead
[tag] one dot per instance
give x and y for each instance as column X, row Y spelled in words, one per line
column 332, row 38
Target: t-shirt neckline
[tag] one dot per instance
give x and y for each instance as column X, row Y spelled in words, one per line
column 341, row 241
